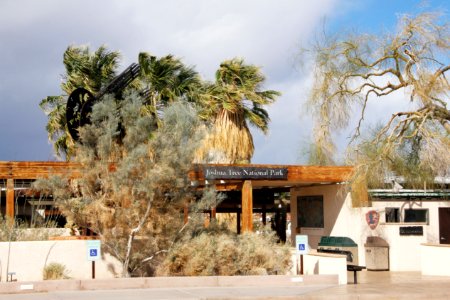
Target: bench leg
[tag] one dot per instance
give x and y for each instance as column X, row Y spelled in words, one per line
column 355, row 277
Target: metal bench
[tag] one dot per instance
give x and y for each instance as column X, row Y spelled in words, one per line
column 9, row 276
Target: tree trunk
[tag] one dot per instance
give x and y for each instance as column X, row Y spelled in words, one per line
column 126, row 262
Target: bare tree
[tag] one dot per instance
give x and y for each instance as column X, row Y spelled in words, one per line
column 360, row 68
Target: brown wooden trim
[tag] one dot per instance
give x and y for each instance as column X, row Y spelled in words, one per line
column 299, row 174
column 10, row 198
column 247, row 206
column 53, row 212
column 72, row 237
column 37, row 169
column 223, row 187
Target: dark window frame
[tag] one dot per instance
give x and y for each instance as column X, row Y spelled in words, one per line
column 310, row 211
column 416, row 215
column 393, row 216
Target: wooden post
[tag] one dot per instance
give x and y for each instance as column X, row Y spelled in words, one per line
column 213, row 213
column 238, row 222
column 301, row 264
column 247, row 206
column 264, row 215
column 10, row 198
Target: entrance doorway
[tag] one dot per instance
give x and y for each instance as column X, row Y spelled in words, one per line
column 444, row 225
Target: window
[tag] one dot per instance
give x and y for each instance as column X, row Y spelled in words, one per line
column 392, row 215
column 416, row 215
column 310, row 211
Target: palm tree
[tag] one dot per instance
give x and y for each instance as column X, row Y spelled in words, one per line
column 233, row 100
column 55, row 109
column 166, row 80
column 83, row 69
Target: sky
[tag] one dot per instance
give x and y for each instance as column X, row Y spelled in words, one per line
column 267, row 33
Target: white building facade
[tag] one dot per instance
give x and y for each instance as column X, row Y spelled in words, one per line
column 408, row 220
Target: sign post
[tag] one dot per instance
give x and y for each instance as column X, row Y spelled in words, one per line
column 301, row 244
column 93, row 248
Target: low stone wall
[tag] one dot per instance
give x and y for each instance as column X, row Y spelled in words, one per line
column 435, row 259
column 167, row 282
column 27, row 260
column 325, row 264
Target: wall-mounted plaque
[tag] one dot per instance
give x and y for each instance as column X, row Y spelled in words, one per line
column 411, row 230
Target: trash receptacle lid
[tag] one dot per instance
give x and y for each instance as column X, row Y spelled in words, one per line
column 336, row 241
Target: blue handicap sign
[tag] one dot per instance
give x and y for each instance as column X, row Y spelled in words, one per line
column 93, row 250
column 301, row 243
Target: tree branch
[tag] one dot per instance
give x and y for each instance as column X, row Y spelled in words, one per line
column 131, row 238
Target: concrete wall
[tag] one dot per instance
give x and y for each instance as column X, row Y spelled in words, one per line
column 325, row 264
column 341, row 219
column 28, row 259
column 435, row 259
column 404, row 251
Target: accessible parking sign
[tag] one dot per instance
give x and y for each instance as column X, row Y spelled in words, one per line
column 301, row 244
column 93, row 250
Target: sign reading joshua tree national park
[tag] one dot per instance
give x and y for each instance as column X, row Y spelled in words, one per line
column 228, row 172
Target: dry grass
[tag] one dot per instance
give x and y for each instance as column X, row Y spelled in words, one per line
column 219, row 253
column 55, row 271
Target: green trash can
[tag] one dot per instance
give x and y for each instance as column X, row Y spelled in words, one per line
column 340, row 245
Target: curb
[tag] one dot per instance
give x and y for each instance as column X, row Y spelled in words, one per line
column 164, row 282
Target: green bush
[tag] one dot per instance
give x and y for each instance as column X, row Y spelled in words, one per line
column 225, row 253
column 55, row 271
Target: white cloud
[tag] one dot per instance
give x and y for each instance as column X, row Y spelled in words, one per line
column 34, row 35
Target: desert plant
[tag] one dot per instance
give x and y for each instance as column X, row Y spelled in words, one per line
column 16, row 230
column 133, row 184
column 55, row 271
column 217, row 251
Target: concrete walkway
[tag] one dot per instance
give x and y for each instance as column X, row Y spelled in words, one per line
column 154, row 284
column 371, row 285
column 199, row 293
column 388, row 285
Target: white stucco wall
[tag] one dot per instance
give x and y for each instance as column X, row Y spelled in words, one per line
column 435, row 259
column 27, row 260
column 405, row 250
column 318, row 263
column 341, row 219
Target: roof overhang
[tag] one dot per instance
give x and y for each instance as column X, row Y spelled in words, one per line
column 296, row 175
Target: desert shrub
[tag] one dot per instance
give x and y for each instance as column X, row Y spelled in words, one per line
column 17, row 230
column 219, row 252
column 54, row 271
